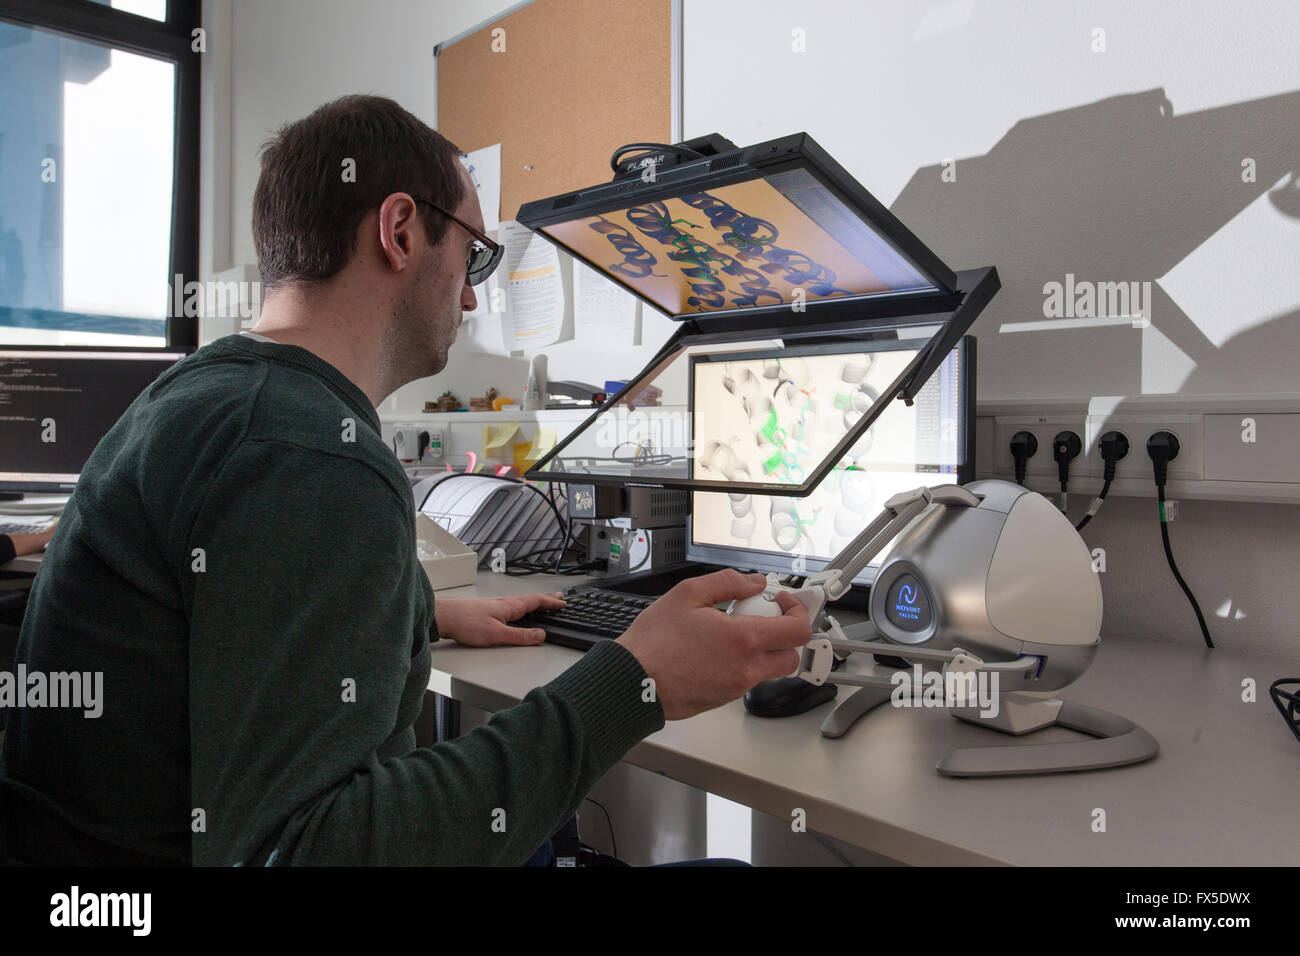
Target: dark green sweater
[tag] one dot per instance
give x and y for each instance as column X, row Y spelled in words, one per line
column 239, row 562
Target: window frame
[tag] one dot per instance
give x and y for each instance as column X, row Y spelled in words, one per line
column 166, row 40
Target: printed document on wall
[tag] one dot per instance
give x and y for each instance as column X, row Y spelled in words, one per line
column 484, row 167
column 534, row 286
column 604, row 315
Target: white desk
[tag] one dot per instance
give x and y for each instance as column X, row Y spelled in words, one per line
column 1220, row 792
column 27, row 563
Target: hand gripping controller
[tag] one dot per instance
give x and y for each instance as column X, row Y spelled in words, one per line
column 817, row 590
column 812, row 595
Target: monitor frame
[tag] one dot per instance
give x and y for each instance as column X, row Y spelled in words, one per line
column 795, row 151
column 8, row 487
column 975, row 288
column 765, row 560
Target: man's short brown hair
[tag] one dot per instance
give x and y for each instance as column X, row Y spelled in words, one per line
column 321, row 175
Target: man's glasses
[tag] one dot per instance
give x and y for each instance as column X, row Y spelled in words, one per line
column 486, row 254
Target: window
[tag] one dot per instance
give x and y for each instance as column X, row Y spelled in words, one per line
column 98, row 172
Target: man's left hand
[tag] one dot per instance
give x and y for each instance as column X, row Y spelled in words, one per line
column 483, row 622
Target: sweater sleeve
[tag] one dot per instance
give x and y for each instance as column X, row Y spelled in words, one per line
column 7, row 552
column 309, row 657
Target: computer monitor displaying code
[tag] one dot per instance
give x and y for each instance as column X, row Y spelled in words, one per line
column 56, row 404
column 769, row 415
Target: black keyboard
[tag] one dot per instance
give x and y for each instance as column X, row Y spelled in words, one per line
column 589, row 615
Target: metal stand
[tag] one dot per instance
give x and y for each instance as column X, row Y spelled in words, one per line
column 1118, row 741
column 847, row 711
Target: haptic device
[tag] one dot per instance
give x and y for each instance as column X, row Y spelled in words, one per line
column 992, row 582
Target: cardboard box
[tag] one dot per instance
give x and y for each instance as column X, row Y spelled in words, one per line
column 447, row 562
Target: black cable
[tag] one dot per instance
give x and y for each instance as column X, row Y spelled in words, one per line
column 640, row 564
column 523, row 567
column 1169, row 555
column 609, row 823
column 1114, row 449
column 519, row 566
column 1065, row 448
column 628, row 147
column 831, row 848
column 1293, row 701
column 641, row 457
column 1096, row 503
column 1024, row 446
column 1162, row 448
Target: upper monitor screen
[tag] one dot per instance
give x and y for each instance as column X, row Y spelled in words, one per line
column 781, row 238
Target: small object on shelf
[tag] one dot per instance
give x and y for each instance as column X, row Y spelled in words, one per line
column 483, row 404
column 500, row 403
column 648, row 396
column 566, row 394
column 447, row 402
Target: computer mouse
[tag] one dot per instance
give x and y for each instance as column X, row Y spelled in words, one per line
column 787, row 696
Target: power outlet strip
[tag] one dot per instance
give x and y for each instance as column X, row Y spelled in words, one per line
column 403, row 438
column 1232, row 447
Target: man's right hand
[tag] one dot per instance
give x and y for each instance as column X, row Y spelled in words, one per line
column 701, row 658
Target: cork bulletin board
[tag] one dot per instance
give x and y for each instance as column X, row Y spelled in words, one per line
column 560, row 84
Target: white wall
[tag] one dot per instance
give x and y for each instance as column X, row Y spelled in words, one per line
column 1115, row 165
column 1122, row 165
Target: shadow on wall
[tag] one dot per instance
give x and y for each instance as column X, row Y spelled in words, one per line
column 1120, row 190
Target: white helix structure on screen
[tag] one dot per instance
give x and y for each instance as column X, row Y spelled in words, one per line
column 781, row 389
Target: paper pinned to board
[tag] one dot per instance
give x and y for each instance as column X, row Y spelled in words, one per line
column 534, row 289
column 496, row 438
column 484, row 167
column 604, row 314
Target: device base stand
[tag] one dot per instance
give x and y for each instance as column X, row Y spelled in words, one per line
column 1117, row 740
column 847, row 711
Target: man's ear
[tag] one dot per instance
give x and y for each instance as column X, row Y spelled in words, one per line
column 398, row 221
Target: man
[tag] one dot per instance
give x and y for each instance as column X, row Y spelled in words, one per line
column 238, row 561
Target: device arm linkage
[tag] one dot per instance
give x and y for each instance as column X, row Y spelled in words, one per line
column 898, row 511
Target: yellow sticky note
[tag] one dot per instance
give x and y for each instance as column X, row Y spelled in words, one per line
column 497, row 437
column 542, row 443
column 523, row 457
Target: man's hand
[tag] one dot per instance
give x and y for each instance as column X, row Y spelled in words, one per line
column 482, row 622
column 31, row 543
column 701, row 658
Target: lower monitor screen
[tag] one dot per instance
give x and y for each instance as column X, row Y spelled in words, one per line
column 771, row 414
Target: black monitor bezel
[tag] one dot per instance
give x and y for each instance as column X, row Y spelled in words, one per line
column 975, row 288
column 796, row 151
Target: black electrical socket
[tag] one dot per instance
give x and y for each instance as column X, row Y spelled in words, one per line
column 1162, row 448
column 1024, row 446
column 1065, row 448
